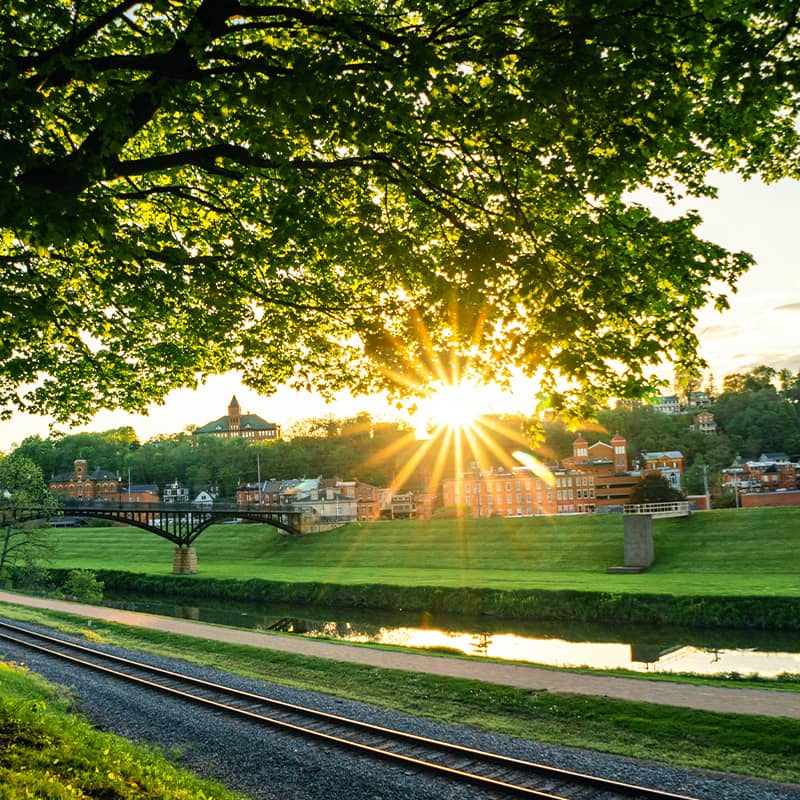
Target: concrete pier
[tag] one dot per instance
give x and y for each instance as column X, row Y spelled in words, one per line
column 184, row 561
column 639, row 548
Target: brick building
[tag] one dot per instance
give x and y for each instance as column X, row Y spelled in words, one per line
column 267, row 493
column 100, row 485
column 594, row 477
column 704, row 422
column 502, row 492
column 84, row 485
column 237, row 425
column 413, row 505
column 374, row 502
column 770, row 473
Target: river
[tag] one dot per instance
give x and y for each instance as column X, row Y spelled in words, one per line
column 559, row 644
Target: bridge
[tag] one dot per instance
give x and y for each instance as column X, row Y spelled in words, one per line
column 658, row 510
column 637, row 520
column 180, row 524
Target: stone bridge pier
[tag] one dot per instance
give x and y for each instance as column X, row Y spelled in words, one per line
column 637, row 521
column 184, row 561
column 638, row 544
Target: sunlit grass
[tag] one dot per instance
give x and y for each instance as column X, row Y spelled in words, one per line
column 723, row 552
column 46, row 752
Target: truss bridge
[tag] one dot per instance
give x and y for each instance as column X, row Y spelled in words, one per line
column 180, row 524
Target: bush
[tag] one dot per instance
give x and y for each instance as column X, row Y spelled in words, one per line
column 82, row 584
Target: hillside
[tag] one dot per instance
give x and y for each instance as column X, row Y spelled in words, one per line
column 747, row 552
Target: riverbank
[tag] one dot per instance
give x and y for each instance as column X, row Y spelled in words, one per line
column 749, row 553
column 730, row 741
column 732, row 611
column 735, row 568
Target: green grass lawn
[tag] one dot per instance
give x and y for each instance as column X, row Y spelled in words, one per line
column 744, row 552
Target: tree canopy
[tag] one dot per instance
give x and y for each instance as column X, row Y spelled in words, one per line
column 369, row 193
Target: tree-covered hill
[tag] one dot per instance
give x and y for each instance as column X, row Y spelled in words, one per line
column 754, row 416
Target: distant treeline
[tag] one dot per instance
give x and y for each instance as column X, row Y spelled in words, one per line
column 756, row 412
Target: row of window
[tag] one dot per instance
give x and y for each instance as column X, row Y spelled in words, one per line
column 500, row 486
column 490, row 499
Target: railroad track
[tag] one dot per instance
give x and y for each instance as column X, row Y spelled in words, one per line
column 500, row 775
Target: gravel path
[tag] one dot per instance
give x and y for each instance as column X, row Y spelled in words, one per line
column 268, row 765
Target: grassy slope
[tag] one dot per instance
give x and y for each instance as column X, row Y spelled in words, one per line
column 46, row 752
column 747, row 552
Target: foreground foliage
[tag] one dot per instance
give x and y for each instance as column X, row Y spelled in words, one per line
column 749, row 745
column 369, row 194
column 47, row 752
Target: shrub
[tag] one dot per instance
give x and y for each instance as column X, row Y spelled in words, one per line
column 82, row 584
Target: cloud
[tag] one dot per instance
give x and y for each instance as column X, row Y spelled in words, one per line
column 788, row 307
column 778, row 361
column 715, row 332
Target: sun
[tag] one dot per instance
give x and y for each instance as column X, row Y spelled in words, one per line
column 453, row 406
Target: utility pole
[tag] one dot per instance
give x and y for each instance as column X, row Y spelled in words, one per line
column 705, row 483
column 258, row 467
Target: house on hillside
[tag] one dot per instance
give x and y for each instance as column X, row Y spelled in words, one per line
column 704, row 422
column 235, row 425
column 698, row 399
column 175, row 492
column 667, row 404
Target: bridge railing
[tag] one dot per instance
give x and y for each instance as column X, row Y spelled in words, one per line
column 679, row 507
column 219, row 508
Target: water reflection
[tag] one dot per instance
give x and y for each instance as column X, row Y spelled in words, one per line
column 638, row 648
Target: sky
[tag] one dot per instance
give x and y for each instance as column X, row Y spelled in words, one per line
column 762, row 326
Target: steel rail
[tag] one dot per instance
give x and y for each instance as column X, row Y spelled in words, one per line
column 446, row 749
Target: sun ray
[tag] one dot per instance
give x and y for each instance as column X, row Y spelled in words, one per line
column 538, row 468
column 411, row 464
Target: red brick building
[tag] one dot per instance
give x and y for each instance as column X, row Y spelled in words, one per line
column 100, row 485
column 662, row 460
column 237, row 425
column 594, row 476
column 86, row 486
column 503, row 493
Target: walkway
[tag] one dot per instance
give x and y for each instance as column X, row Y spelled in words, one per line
column 705, row 698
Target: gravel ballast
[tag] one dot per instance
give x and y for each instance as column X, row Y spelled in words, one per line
column 265, row 764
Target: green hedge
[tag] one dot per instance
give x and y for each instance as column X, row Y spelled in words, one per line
column 766, row 613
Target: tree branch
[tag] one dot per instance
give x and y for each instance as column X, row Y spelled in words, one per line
column 205, row 158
